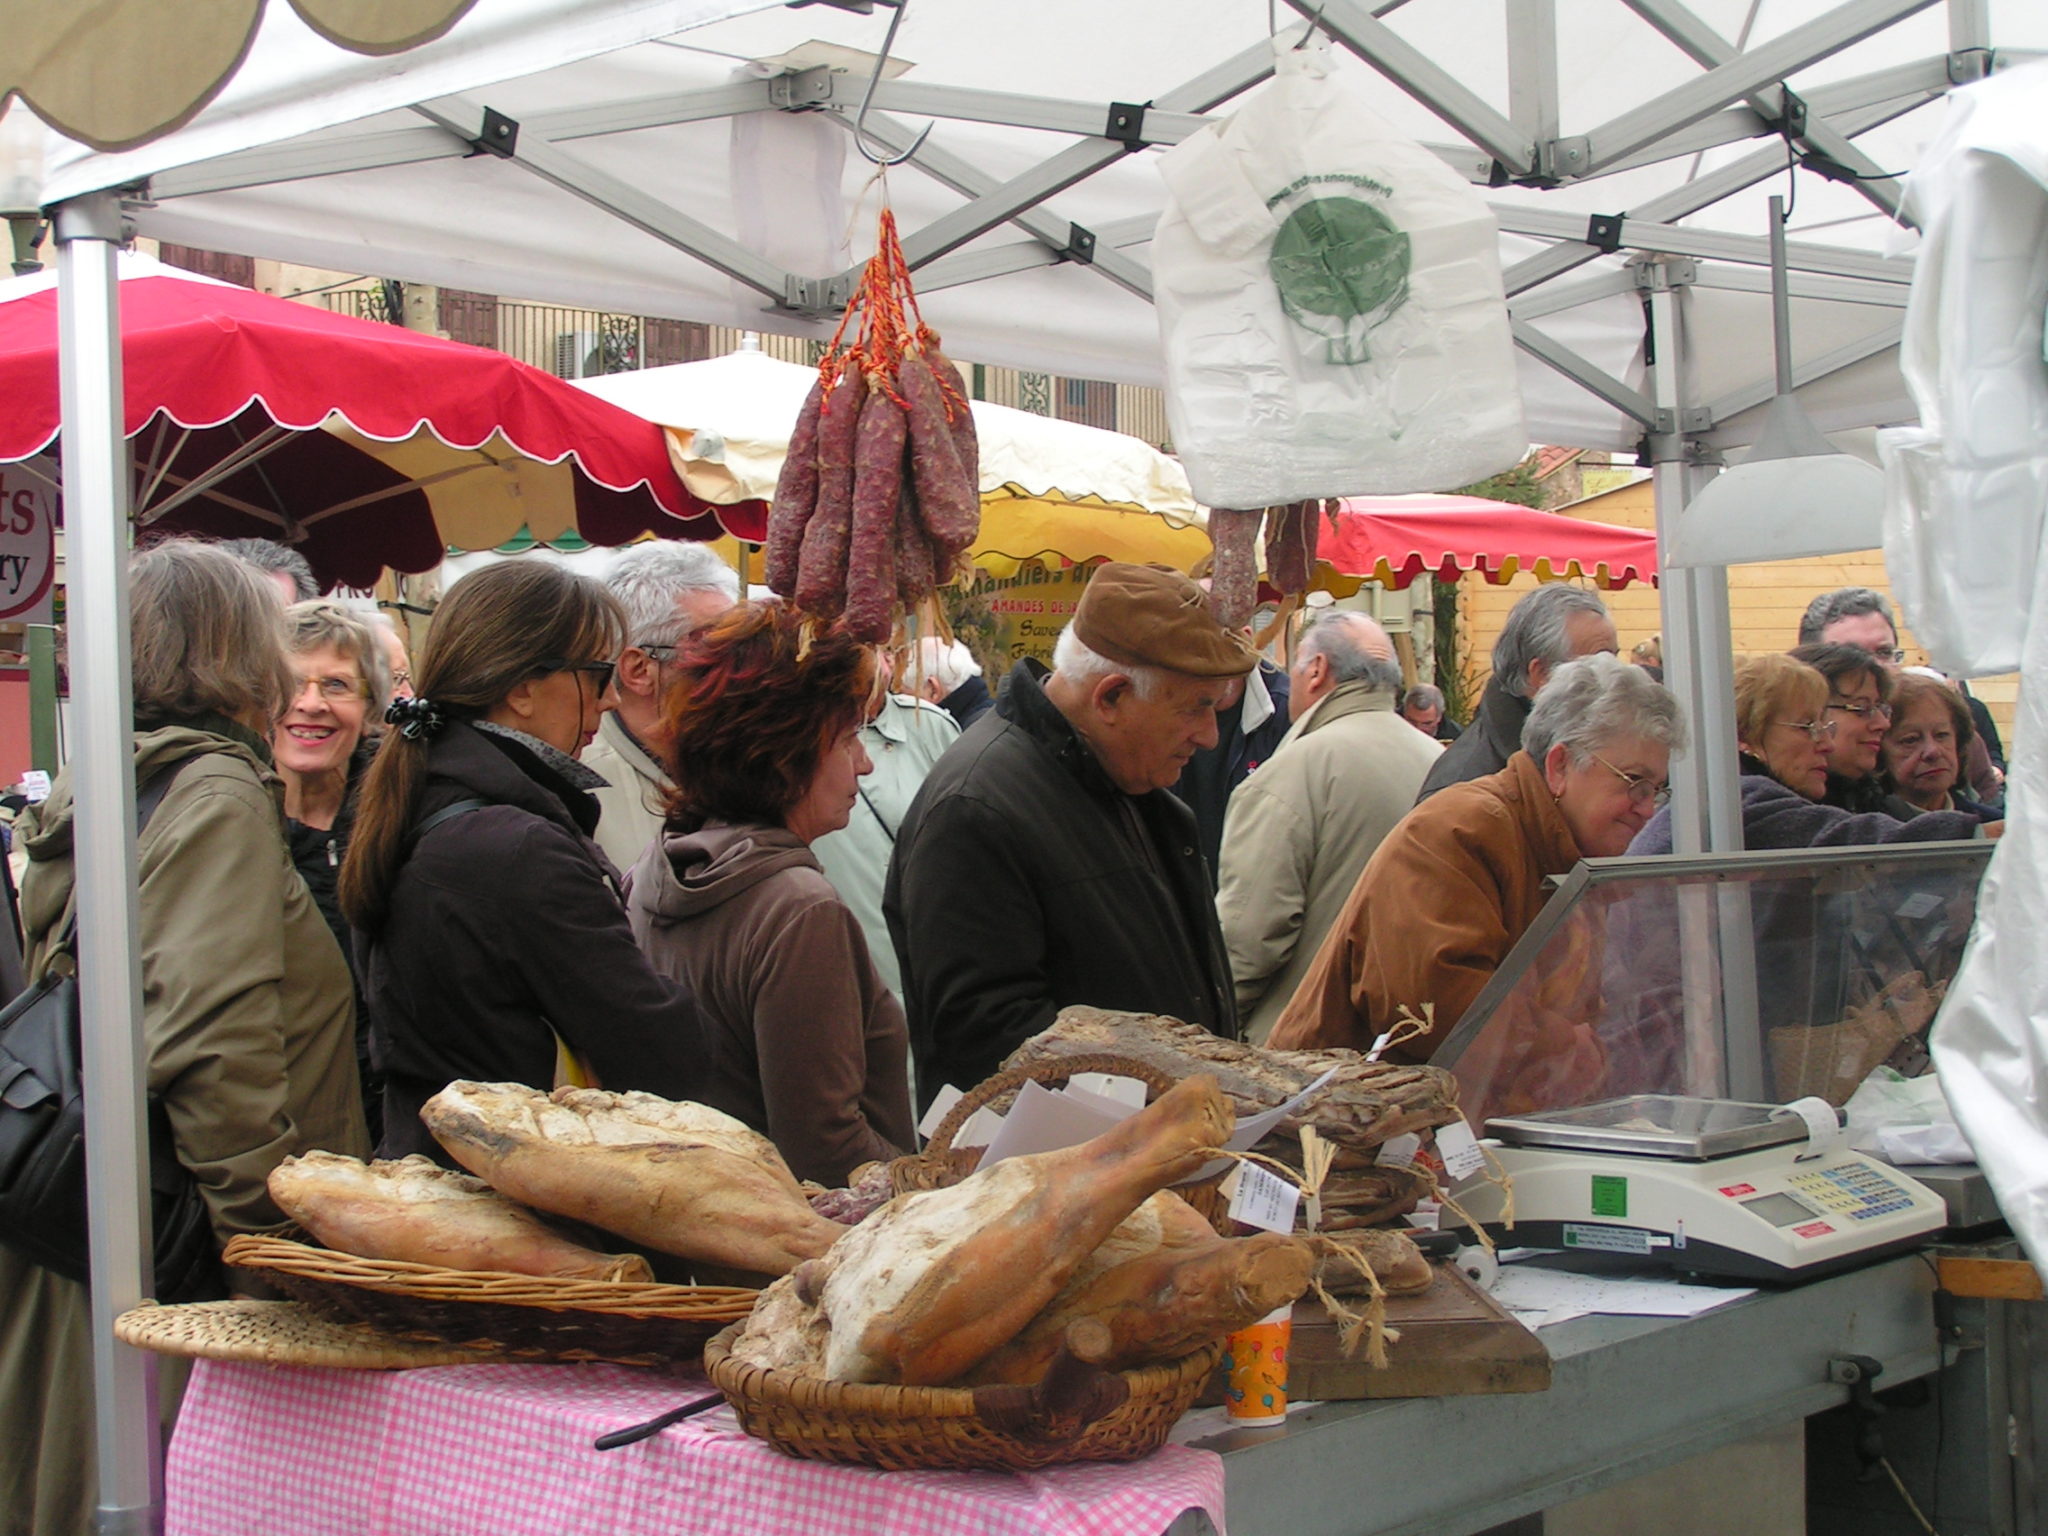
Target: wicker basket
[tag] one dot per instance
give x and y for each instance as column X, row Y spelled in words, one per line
column 526, row 1317
column 941, row 1165
column 282, row 1333
column 899, row 1428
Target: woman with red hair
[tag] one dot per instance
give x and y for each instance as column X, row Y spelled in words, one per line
column 807, row 1044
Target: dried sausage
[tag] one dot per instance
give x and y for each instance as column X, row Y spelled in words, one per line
column 1234, row 575
column 1287, row 546
column 948, row 501
column 821, row 565
column 965, row 440
column 916, row 577
column 877, row 503
column 796, row 496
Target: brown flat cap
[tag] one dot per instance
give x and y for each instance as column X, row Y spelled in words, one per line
column 1153, row 616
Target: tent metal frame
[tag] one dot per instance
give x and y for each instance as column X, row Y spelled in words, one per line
column 1738, row 95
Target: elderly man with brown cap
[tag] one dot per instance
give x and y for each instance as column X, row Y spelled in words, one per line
column 1301, row 829
column 1044, row 863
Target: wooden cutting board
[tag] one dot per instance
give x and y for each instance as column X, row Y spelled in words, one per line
column 1455, row 1341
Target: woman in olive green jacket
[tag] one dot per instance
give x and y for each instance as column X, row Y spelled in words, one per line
column 247, row 1004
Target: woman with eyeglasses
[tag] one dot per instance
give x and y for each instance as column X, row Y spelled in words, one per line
column 320, row 751
column 490, row 926
column 1456, row 883
column 1859, row 704
column 1788, row 738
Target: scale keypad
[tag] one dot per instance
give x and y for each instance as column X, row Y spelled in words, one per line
column 1854, row 1190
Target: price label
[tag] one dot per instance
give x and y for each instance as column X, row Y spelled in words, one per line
column 1379, row 1045
column 942, row 1106
column 1400, row 1151
column 1262, row 1199
column 35, row 784
column 1459, row 1149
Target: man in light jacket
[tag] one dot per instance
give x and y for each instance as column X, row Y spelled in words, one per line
column 1301, row 829
column 668, row 589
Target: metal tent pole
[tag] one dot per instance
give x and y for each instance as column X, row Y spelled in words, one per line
column 95, row 457
column 1717, row 946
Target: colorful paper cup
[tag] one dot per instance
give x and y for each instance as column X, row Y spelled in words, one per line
column 1255, row 1360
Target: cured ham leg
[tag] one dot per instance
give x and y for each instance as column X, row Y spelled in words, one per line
column 1162, row 1304
column 418, row 1212
column 680, row 1178
column 930, row 1285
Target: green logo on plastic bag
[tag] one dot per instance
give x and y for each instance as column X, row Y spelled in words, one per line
column 1341, row 267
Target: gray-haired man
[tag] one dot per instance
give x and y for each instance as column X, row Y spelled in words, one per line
column 667, row 589
column 1301, row 829
column 1552, row 625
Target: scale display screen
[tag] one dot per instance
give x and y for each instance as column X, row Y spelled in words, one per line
column 1780, row 1210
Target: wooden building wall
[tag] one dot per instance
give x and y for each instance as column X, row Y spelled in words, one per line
column 1764, row 601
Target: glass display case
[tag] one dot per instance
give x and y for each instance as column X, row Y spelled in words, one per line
column 1762, row 977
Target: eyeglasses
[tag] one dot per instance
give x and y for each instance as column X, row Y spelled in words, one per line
column 1641, row 791
column 400, row 678
column 1819, row 730
column 658, row 652
column 600, row 670
column 335, row 689
column 1859, row 710
column 1895, row 657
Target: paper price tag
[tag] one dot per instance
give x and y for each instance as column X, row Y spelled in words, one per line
column 1399, row 1151
column 1263, row 1199
column 35, row 785
column 1127, row 1091
column 1379, row 1045
column 942, row 1106
column 1459, row 1149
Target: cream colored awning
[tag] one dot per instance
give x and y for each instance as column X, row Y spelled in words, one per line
column 114, row 73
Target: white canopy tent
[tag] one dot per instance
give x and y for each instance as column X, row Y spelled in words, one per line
column 688, row 158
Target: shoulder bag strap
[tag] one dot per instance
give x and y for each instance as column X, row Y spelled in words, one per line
column 448, row 813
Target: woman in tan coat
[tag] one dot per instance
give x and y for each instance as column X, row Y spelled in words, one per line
column 247, row 1007
column 1456, row 884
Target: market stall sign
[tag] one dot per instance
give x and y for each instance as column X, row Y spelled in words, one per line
column 28, row 547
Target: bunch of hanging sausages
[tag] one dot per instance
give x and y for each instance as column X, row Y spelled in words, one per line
column 1291, row 535
column 879, row 496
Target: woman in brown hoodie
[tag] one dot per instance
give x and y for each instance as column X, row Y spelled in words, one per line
column 807, row 1044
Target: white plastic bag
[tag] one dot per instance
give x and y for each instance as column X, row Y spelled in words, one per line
column 1905, row 1120
column 1330, row 305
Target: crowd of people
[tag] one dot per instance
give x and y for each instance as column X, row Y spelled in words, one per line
column 646, row 834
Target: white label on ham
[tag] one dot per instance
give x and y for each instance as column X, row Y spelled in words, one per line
column 1399, row 1151
column 1459, row 1149
column 1262, row 1199
column 980, row 1128
column 1044, row 1121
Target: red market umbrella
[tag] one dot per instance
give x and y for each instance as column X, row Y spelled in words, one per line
column 363, row 445
column 1394, row 539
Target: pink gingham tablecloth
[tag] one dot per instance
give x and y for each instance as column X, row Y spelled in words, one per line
column 505, row 1450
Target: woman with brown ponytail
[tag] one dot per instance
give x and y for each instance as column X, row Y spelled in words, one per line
column 488, row 924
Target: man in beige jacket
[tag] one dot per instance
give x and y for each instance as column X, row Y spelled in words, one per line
column 668, row 589
column 1300, row 830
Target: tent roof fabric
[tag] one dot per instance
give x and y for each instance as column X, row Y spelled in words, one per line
column 704, row 173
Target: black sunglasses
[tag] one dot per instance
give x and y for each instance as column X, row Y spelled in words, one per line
column 600, row 670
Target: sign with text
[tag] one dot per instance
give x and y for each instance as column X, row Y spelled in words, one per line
column 28, row 546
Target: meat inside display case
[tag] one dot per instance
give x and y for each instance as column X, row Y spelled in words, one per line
column 1763, row 977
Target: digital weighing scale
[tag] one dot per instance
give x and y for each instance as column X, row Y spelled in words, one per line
column 1710, row 1185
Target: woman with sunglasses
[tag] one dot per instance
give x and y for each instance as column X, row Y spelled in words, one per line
column 490, row 927
column 1785, row 732
column 320, row 750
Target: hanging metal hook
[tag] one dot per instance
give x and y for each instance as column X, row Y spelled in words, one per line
column 1309, row 33
column 860, row 118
